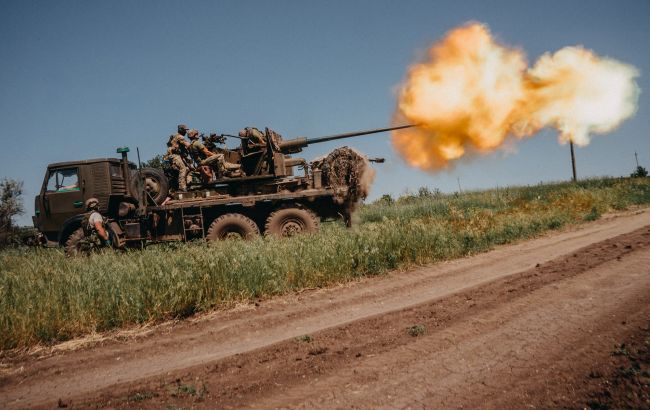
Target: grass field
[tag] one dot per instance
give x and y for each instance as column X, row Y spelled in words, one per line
column 45, row 297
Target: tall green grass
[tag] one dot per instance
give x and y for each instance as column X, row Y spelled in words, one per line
column 45, row 297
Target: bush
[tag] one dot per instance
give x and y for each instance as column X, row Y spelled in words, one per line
column 639, row 172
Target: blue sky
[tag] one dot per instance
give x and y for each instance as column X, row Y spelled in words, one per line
column 80, row 78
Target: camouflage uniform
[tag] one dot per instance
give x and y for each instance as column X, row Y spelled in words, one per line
column 255, row 138
column 199, row 153
column 175, row 155
column 92, row 238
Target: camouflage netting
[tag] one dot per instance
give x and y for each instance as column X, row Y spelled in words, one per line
column 345, row 167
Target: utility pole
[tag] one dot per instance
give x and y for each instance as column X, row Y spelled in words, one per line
column 460, row 191
column 636, row 157
column 573, row 162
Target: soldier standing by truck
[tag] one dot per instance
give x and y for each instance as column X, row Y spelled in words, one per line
column 91, row 235
column 93, row 222
column 177, row 151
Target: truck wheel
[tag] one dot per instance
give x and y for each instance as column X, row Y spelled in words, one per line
column 75, row 245
column 291, row 221
column 155, row 183
column 232, row 226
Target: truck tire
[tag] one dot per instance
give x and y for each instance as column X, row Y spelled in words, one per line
column 75, row 246
column 66, row 233
column 292, row 221
column 155, row 183
column 231, row 226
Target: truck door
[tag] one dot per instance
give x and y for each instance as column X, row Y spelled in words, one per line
column 62, row 198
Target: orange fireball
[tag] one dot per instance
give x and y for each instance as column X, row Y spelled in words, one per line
column 472, row 93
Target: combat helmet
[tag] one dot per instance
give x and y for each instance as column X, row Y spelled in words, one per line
column 182, row 129
column 92, row 204
column 193, row 133
column 244, row 132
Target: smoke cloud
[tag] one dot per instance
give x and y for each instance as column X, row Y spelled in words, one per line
column 472, row 93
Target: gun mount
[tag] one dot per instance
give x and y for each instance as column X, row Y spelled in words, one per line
column 273, row 157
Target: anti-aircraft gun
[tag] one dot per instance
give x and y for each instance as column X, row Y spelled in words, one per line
column 273, row 157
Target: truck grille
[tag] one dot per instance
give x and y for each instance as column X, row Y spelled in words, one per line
column 118, row 185
column 101, row 184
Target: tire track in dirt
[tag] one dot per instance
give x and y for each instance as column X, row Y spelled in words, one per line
column 506, row 357
column 169, row 351
column 522, row 340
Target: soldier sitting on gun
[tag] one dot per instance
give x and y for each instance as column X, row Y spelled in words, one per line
column 177, row 155
column 254, row 138
column 207, row 159
column 93, row 224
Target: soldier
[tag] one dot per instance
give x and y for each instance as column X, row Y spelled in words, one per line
column 93, row 223
column 177, row 153
column 254, row 138
column 205, row 158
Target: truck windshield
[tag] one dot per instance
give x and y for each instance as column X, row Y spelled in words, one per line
column 63, row 180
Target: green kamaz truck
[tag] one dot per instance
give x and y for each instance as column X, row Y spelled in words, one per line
column 269, row 197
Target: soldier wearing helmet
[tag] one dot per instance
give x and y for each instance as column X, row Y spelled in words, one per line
column 177, row 152
column 207, row 159
column 93, row 222
column 199, row 152
column 253, row 138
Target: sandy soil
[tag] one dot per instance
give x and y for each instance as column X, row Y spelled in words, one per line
column 537, row 324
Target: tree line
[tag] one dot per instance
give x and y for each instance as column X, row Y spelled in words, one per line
column 11, row 205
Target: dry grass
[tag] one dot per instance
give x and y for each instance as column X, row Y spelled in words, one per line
column 45, row 297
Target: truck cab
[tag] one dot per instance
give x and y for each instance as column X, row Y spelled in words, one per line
column 66, row 186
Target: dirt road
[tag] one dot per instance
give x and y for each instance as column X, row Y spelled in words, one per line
column 523, row 325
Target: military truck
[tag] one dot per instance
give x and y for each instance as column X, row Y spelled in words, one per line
column 267, row 197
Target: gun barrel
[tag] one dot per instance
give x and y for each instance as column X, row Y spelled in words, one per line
column 356, row 134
